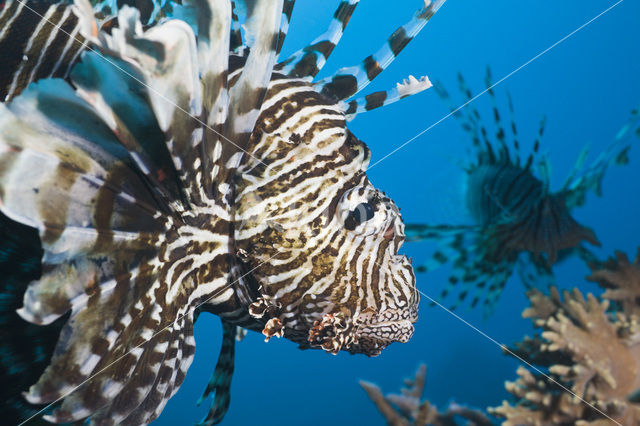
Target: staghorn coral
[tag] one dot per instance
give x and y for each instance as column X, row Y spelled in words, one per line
column 408, row 409
column 590, row 346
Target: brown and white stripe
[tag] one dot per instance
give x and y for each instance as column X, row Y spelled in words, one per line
column 334, row 238
column 191, row 177
column 37, row 40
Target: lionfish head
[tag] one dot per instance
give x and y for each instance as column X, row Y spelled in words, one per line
column 320, row 241
column 389, row 290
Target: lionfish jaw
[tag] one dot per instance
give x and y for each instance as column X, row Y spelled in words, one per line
column 368, row 333
column 379, row 330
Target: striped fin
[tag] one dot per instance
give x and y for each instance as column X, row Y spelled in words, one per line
column 262, row 28
column 420, row 232
column 215, row 34
column 41, row 39
column 490, row 285
column 38, row 40
column 162, row 176
column 536, row 146
column 468, row 124
column 115, row 92
column 174, row 368
column 73, row 166
column 543, row 165
column 408, row 87
column 236, row 44
column 80, row 200
column 287, row 10
column 158, row 372
column 474, row 276
column 579, row 164
column 543, row 168
column 26, row 348
column 83, row 198
column 579, row 181
column 151, row 11
column 514, row 130
column 100, row 239
column 168, row 68
column 534, row 272
column 220, row 381
column 308, row 61
column 467, row 116
column 55, row 153
column 472, row 124
column 500, row 132
column 348, row 81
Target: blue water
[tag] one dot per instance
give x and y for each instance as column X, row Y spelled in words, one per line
column 586, row 86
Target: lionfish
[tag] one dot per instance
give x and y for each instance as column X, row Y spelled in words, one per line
column 174, row 166
column 517, row 222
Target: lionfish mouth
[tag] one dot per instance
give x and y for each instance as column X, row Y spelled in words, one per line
column 376, row 332
column 367, row 333
column 380, row 336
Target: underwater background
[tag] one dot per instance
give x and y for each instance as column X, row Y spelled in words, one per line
column 586, row 86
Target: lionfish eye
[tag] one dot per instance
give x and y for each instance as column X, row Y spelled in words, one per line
column 362, row 213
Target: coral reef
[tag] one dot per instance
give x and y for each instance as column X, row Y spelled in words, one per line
column 408, row 408
column 621, row 281
column 588, row 345
column 585, row 361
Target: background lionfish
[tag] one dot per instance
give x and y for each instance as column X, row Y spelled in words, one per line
column 173, row 174
column 518, row 222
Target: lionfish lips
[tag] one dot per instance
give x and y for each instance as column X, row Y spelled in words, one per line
column 379, row 331
column 373, row 340
column 369, row 333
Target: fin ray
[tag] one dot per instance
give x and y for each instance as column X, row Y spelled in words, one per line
column 348, row 81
